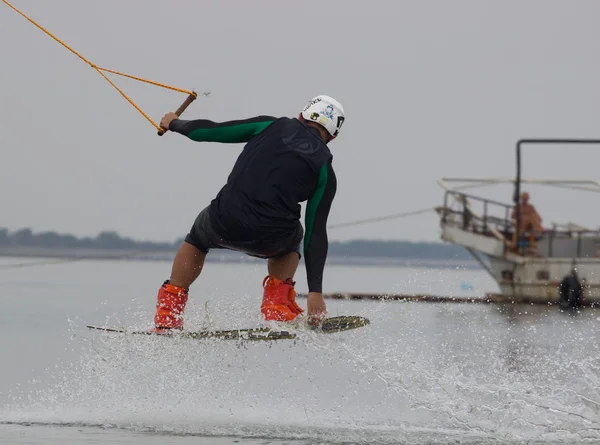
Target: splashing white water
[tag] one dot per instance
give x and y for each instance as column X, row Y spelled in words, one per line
column 418, row 374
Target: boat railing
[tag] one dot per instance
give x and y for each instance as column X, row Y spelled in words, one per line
column 483, row 219
column 492, row 218
column 580, row 247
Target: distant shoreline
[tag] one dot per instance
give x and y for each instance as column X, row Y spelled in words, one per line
column 109, row 245
column 220, row 256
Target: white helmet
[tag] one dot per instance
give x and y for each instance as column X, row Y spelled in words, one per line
column 326, row 111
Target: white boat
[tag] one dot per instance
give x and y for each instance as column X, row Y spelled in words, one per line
column 528, row 267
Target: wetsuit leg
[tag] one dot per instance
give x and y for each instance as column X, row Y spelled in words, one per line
column 202, row 234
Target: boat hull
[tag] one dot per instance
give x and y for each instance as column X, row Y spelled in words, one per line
column 538, row 280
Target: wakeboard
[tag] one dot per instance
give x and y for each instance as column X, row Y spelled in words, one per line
column 330, row 325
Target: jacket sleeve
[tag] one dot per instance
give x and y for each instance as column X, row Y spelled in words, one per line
column 237, row 131
column 316, row 243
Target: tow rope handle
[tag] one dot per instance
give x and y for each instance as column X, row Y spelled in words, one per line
column 180, row 110
column 192, row 95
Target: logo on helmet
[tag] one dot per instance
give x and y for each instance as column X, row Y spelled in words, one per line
column 328, row 112
column 311, row 103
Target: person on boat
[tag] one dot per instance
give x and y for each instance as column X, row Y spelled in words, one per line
column 467, row 214
column 285, row 161
column 570, row 290
column 530, row 219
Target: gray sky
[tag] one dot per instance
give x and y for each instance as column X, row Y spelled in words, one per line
column 430, row 88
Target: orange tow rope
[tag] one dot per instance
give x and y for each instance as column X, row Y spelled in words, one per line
column 191, row 94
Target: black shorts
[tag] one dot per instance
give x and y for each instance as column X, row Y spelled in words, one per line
column 204, row 237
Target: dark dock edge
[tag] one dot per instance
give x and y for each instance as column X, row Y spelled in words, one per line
column 399, row 297
column 487, row 299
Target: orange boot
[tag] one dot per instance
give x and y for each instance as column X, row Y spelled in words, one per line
column 279, row 300
column 170, row 305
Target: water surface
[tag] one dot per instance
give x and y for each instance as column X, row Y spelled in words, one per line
column 419, row 373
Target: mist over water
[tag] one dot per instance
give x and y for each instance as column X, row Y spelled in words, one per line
column 419, row 373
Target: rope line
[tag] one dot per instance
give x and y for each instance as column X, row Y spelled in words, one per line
column 151, row 82
column 380, row 218
column 100, row 70
column 129, row 100
column 50, row 34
